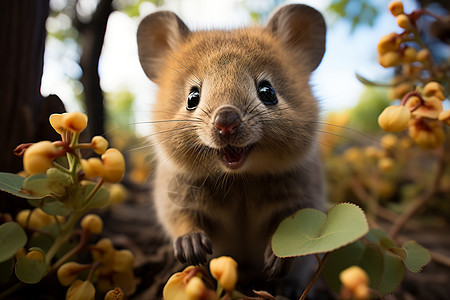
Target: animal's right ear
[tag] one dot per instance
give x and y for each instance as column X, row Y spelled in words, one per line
column 158, row 34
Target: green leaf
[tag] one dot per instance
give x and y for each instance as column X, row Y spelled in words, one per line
column 51, row 206
column 400, row 252
column 99, row 200
column 12, row 238
column 372, row 262
column 416, row 256
column 38, row 185
column 375, row 235
column 12, row 183
column 392, row 276
column 385, row 270
column 340, row 260
column 310, row 231
column 6, row 270
column 30, row 270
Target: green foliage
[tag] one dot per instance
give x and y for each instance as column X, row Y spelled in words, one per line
column 99, row 198
column 310, row 231
column 384, row 262
column 30, row 270
column 12, row 238
column 12, row 183
column 61, row 193
column 357, row 12
column 416, row 256
column 364, row 115
column 6, row 270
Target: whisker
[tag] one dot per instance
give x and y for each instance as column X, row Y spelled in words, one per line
column 199, row 81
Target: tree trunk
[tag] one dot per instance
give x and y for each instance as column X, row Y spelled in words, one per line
column 91, row 41
column 23, row 112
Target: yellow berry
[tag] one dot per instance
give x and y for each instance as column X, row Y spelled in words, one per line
column 224, row 269
column 389, row 59
column 92, row 167
column 80, row 290
column 386, row 163
column 114, row 165
column 444, row 116
column 56, row 121
column 68, row 272
column 413, row 103
column 195, row 289
column 100, row 144
column 175, row 287
column 423, row 55
column 75, row 121
column 373, row 152
column 361, row 292
column 103, row 251
column 430, row 108
column 115, row 294
column 37, row 220
column 409, row 55
column 388, row 141
column 433, row 88
column 353, row 276
column 39, row 157
column 92, row 223
column 123, row 260
column 403, row 21
column 426, row 134
column 394, row 118
column 117, row 193
column 389, row 43
column 396, row 8
column 36, row 255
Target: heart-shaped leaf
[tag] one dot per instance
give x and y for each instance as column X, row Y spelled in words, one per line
column 12, row 238
column 30, row 270
column 416, row 256
column 310, row 231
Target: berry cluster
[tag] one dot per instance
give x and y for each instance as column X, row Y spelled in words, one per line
column 416, row 83
column 189, row 284
column 58, row 183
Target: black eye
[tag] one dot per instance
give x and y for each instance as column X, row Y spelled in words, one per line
column 193, row 99
column 266, row 93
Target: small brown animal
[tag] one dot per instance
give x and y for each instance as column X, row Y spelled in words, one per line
column 235, row 129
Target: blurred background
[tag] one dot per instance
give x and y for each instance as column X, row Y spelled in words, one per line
column 354, row 28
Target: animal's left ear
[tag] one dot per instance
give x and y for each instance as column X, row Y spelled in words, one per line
column 302, row 29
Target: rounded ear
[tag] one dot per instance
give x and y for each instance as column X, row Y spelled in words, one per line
column 157, row 34
column 302, row 29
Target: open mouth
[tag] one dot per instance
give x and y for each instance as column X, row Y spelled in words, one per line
column 234, row 157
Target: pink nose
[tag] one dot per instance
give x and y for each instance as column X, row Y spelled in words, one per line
column 227, row 121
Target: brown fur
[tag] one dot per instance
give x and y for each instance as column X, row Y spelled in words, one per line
column 197, row 197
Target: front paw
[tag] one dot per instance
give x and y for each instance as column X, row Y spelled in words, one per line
column 274, row 266
column 192, row 248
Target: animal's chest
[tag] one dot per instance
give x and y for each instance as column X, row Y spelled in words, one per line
column 240, row 216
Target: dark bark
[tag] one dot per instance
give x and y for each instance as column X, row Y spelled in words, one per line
column 22, row 40
column 91, row 40
column 24, row 112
